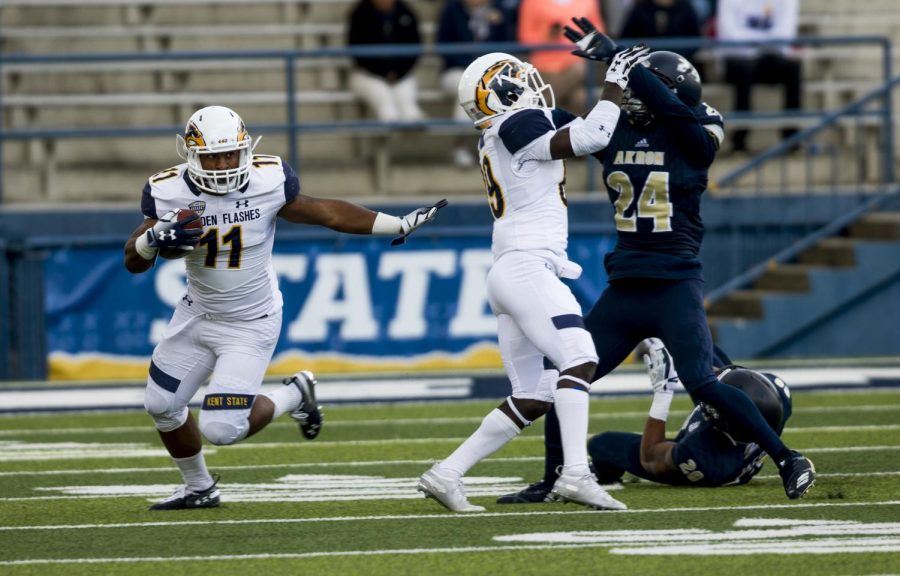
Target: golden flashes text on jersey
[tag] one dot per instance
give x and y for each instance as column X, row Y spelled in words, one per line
column 231, row 217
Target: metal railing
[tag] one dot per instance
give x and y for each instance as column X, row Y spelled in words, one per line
column 292, row 128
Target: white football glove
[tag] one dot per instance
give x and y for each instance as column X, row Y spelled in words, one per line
column 660, row 366
column 623, row 62
column 415, row 219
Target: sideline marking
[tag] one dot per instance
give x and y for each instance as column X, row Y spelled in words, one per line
column 443, row 516
column 833, row 546
column 408, row 551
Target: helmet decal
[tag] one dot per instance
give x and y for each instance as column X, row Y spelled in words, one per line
column 495, row 80
column 193, row 137
column 685, row 67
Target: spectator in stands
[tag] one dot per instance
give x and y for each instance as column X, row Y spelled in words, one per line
column 614, row 14
column 747, row 65
column 541, row 22
column 466, row 21
column 706, row 15
column 510, row 11
column 385, row 83
column 663, row 19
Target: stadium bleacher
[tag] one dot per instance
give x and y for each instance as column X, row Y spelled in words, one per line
column 164, row 92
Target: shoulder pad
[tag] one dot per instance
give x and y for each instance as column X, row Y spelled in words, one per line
column 524, row 127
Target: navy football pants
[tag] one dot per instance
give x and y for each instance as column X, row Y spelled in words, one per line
column 629, row 311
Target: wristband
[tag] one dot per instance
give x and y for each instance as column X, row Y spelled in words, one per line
column 659, row 409
column 144, row 249
column 386, row 224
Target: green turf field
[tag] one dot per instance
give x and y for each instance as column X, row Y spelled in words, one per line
column 74, row 490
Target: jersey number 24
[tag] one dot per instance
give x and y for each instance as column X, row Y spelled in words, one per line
column 653, row 201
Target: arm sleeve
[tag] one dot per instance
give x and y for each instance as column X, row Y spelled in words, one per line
column 698, row 145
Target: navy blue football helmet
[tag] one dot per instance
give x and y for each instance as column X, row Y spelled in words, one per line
column 760, row 390
column 677, row 73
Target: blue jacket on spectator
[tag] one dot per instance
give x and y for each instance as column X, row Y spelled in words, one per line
column 457, row 24
column 368, row 25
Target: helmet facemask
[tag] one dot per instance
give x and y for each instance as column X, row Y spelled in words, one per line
column 635, row 110
column 216, row 130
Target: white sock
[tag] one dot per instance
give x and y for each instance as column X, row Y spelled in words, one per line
column 285, row 398
column 496, row 431
column 193, row 470
column 572, row 410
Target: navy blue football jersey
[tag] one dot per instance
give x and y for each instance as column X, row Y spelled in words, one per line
column 655, row 177
column 707, row 457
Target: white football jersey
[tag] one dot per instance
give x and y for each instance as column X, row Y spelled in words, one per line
column 229, row 274
column 527, row 195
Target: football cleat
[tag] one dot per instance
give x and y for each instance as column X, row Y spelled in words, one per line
column 583, row 490
column 184, row 498
column 447, row 491
column 798, row 475
column 531, row 494
column 308, row 414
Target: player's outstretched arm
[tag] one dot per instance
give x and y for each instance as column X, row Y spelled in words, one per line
column 352, row 218
column 593, row 133
column 656, row 451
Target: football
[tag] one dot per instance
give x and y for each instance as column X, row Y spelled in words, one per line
column 175, row 253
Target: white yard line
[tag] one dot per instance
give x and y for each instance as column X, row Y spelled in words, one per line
column 220, row 558
column 358, row 464
column 385, row 488
column 444, row 516
column 417, row 421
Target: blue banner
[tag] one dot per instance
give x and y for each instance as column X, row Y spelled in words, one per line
column 352, row 305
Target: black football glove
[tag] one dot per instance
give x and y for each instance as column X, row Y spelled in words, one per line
column 415, row 219
column 592, row 44
column 169, row 232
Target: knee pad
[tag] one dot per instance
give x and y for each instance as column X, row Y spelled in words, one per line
column 223, row 432
column 159, row 404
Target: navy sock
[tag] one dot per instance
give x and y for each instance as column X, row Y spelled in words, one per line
column 553, row 451
column 743, row 416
